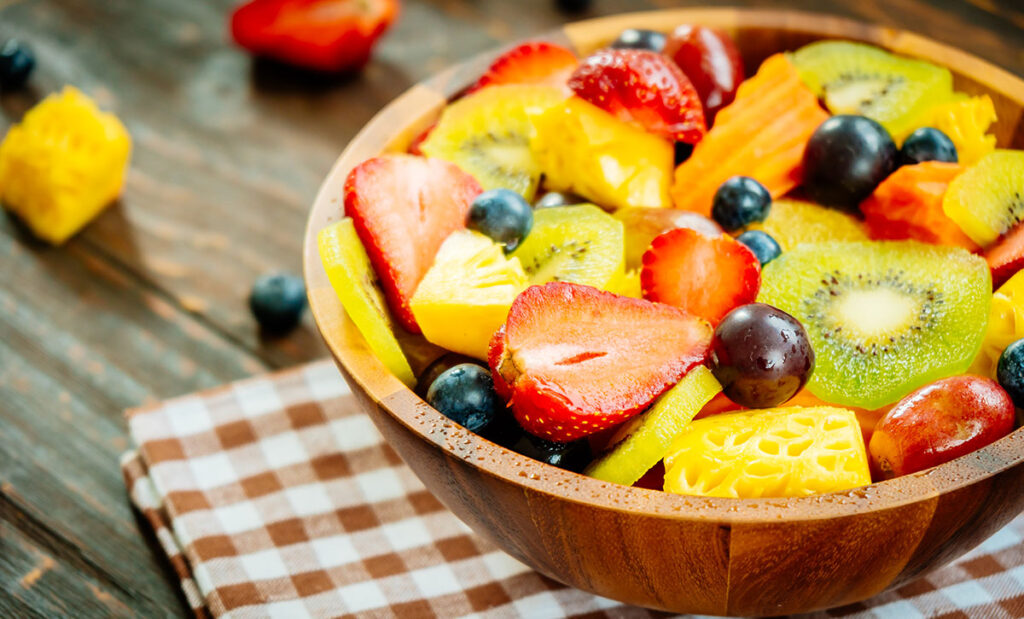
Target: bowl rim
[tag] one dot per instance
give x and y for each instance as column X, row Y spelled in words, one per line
column 419, row 105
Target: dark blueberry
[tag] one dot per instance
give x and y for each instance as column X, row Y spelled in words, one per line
column 845, row 159
column 927, row 144
column 638, row 38
column 16, row 63
column 435, row 369
column 465, row 394
column 573, row 6
column 761, row 355
column 573, row 456
column 277, row 301
column 503, row 215
column 740, row 201
column 1010, row 372
column 555, row 198
column 762, row 244
column 683, row 152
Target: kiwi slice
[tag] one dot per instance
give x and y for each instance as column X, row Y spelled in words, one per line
column 642, row 441
column 854, row 78
column 352, row 277
column 487, row 134
column 987, row 200
column 883, row 317
column 580, row 244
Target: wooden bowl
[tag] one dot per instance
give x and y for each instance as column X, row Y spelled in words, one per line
column 678, row 553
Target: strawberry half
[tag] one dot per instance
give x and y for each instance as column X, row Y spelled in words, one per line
column 536, row 62
column 707, row 276
column 403, row 208
column 645, row 88
column 574, row 360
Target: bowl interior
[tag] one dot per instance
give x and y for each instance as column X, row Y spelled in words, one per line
column 758, row 33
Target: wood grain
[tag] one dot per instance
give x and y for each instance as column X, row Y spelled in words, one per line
column 727, row 556
column 149, row 301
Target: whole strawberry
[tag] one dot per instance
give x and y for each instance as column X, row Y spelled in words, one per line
column 645, row 88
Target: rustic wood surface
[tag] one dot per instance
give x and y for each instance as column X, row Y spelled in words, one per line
column 149, row 301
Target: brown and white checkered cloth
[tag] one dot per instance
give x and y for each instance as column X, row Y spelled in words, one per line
column 276, row 497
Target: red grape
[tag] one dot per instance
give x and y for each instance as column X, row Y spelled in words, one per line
column 710, row 59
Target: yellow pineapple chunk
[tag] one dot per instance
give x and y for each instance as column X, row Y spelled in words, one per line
column 1005, row 325
column 465, row 296
column 584, row 149
column 777, row 452
column 63, row 164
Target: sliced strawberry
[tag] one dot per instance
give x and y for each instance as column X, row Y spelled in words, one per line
column 403, row 208
column 645, row 88
column 1007, row 256
column 705, row 275
column 536, row 62
column 576, row 360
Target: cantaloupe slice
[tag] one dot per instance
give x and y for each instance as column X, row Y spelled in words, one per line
column 761, row 134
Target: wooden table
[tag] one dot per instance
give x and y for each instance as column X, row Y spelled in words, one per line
column 149, row 301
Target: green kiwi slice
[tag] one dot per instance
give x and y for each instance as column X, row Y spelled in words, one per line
column 645, row 439
column 854, row 78
column 580, row 244
column 884, row 318
column 487, row 134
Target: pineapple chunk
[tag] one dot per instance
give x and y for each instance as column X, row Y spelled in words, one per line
column 465, row 296
column 777, row 452
column 584, row 149
column 63, row 164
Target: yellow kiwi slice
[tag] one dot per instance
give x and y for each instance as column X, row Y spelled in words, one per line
column 352, row 277
column 488, row 133
column 987, row 200
column 855, row 78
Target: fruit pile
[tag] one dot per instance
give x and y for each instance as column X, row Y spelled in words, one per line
column 646, row 268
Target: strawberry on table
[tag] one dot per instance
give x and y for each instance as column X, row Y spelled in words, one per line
column 535, row 62
column 403, row 208
column 645, row 88
column 705, row 275
column 573, row 360
column 323, row 35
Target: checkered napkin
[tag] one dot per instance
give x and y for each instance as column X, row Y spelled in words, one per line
column 276, row 497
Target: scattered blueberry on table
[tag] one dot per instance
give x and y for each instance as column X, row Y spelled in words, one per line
column 16, row 64
column 277, row 301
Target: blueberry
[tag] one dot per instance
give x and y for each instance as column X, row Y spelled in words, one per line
column 16, row 63
column 277, row 301
column 573, row 456
column 1010, row 372
column 927, row 144
column 845, row 159
column 503, row 215
column 637, row 38
column 554, row 198
column 740, row 201
column 573, row 6
column 465, row 394
column 438, row 367
column 762, row 244
column 683, row 152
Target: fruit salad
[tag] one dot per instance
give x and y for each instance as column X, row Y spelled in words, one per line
column 657, row 266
